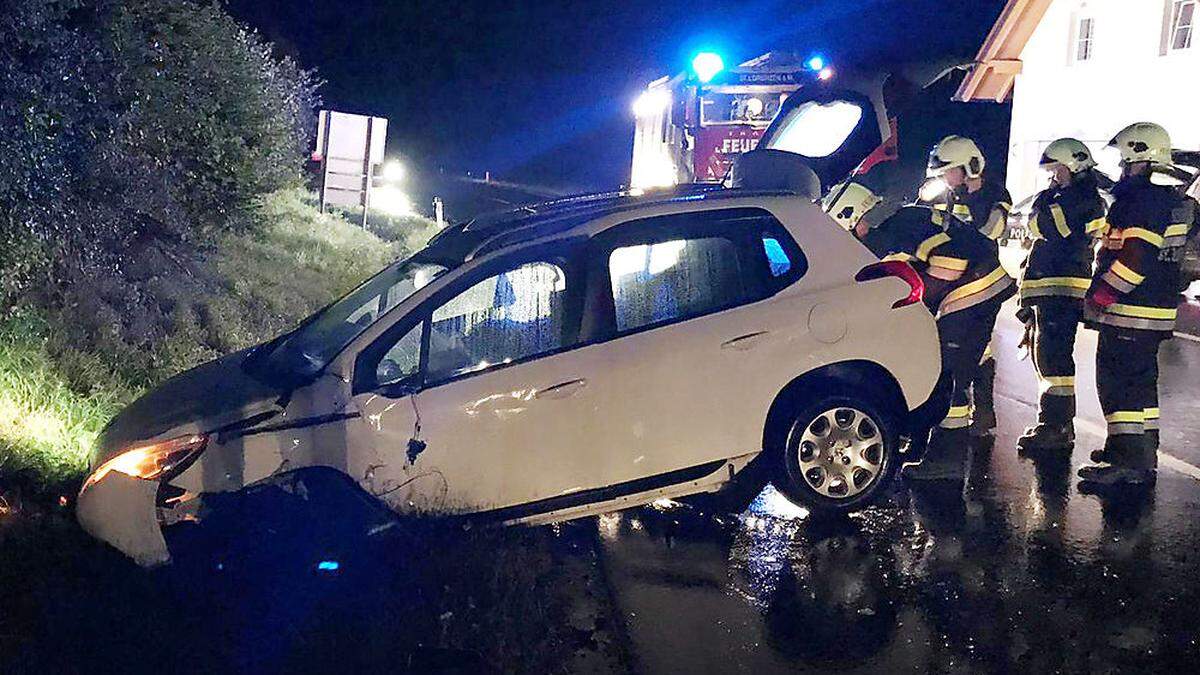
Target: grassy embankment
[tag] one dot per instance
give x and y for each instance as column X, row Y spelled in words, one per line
column 57, row 390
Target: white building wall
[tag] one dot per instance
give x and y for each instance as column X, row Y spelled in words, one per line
column 1130, row 77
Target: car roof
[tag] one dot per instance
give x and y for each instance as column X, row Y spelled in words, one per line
column 502, row 229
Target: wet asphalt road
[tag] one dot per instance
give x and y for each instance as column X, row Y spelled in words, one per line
column 1017, row 570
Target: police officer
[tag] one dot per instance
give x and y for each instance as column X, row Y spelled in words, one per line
column 985, row 205
column 1066, row 219
column 964, row 287
column 1132, row 301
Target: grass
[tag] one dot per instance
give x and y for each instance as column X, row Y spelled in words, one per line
column 47, row 426
column 66, row 369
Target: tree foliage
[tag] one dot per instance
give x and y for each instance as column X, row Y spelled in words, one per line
column 127, row 124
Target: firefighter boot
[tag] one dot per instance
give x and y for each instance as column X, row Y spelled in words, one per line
column 1126, row 463
column 944, row 457
column 984, row 421
column 1047, row 437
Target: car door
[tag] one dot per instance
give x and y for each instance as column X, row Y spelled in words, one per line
column 500, row 399
column 678, row 306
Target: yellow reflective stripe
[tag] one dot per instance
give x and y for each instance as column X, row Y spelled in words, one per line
column 975, row 286
column 1005, row 206
column 937, row 218
column 943, row 273
column 1097, row 225
column 1142, row 312
column 1034, row 228
column 1178, row 230
column 1126, row 416
column 1059, row 380
column 901, row 256
column 958, row 411
column 1070, row 282
column 994, row 225
column 931, row 243
column 1060, row 220
column 1120, row 269
column 1152, row 413
column 949, row 263
column 1056, row 385
column 962, row 210
column 1145, row 235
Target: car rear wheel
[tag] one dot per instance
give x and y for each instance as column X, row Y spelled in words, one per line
column 841, row 453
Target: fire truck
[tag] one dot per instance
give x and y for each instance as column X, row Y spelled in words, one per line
column 690, row 126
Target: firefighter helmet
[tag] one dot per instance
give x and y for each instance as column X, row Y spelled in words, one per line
column 1070, row 153
column 954, row 151
column 1143, row 142
column 848, row 202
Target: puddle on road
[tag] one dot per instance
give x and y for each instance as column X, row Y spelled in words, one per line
column 1016, row 570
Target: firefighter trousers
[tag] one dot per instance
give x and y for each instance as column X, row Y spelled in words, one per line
column 982, row 389
column 1127, row 381
column 1055, row 324
column 964, row 336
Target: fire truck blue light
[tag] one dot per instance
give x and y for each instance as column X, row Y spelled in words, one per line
column 815, row 63
column 706, row 65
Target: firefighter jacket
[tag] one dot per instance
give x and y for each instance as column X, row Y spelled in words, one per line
column 959, row 265
column 1064, row 225
column 1136, row 282
column 986, row 209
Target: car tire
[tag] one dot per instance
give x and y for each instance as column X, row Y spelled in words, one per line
column 841, row 452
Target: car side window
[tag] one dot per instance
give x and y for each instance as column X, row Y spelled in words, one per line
column 402, row 360
column 663, row 281
column 508, row 317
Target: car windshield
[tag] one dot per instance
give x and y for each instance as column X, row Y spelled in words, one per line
column 306, row 350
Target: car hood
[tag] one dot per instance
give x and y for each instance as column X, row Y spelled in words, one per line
column 208, row 397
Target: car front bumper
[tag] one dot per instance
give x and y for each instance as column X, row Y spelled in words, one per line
column 122, row 511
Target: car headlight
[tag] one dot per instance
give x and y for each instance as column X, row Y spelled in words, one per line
column 152, row 461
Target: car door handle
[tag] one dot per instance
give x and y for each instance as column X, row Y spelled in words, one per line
column 562, row 389
column 745, row 342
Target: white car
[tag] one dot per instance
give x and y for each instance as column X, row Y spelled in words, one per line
column 561, row 361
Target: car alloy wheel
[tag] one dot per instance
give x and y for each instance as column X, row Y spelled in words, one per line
column 841, row 453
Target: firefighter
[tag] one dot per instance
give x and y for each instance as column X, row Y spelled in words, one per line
column 985, row 205
column 964, row 287
column 1132, row 302
column 1065, row 221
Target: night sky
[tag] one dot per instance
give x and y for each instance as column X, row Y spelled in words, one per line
column 540, row 91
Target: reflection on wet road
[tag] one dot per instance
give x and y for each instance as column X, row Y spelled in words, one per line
column 1016, row 570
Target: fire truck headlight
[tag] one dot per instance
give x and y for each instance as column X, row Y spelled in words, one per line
column 651, row 103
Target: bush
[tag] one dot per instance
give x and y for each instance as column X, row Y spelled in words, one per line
column 135, row 122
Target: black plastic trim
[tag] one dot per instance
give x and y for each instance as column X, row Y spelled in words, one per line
column 604, row 494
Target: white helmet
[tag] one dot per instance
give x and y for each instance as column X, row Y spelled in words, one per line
column 954, row 151
column 1070, row 153
column 848, row 202
column 1143, row 142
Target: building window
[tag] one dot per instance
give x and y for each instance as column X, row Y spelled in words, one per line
column 1183, row 14
column 1084, row 39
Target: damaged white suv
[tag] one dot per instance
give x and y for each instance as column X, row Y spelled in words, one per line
column 560, row 361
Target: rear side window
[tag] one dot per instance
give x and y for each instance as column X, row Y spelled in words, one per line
column 671, row 280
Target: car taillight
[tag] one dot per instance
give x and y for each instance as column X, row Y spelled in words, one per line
column 900, row 270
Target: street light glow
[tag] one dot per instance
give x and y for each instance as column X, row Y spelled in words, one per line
column 706, row 65
column 393, row 171
column 390, row 200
